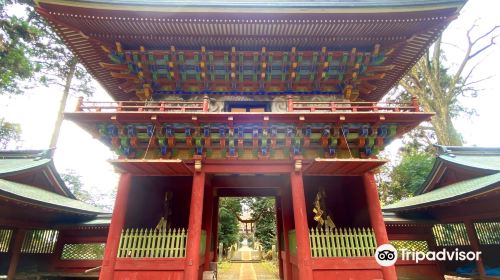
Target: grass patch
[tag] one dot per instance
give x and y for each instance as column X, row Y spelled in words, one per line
column 271, row 267
column 223, row 266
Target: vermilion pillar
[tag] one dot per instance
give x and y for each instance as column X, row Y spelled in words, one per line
column 474, row 243
column 208, row 213
column 301, row 228
column 194, row 231
column 15, row 252
column 377, row 220
column 286, row 209
column 116, row 226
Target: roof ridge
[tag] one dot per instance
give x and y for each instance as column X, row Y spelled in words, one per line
column 467, row 150
column 27, row 154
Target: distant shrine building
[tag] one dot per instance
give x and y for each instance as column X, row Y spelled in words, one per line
column 233, row 98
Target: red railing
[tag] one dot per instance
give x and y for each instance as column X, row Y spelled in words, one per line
column 143, row 106
column 203, row 106
column 321, row 106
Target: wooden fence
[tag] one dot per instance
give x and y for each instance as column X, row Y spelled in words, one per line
column 343, row 242
column 151, row 243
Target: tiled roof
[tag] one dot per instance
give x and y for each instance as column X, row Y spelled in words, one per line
column 485, row 160
column 488, row 162
column 396, row 218
column 35, row 162
column 47, row 199
column 92, row 28
column 266, row 3
column 9, row 166
column 457, row 191
column 99, row 221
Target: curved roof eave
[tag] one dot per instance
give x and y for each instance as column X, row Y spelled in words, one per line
column 46, row 199
column 9, row 167
column 451, row 193
column 281, row 6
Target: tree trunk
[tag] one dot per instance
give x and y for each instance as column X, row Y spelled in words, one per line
column 62, row 104
column 446, row 132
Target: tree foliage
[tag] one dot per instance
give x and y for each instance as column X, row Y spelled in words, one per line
column 31, row 50
column 90, row 195
column 439, row 88
column 263, row 208
column 406, row 178
column 18, row 39
column 74, row 183
column 10, row 133
column 228, row 223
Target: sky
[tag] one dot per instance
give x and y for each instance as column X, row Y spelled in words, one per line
column 77, row 150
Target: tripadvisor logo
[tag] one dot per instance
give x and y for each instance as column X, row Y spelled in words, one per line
column 442, row 255
column 386, row 255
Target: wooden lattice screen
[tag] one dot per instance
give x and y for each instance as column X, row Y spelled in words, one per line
column 83, row 251
column 410, row 245
column 343, row 242
column 150, row 243
column 5, row 237
column 40, row 241
column 450, row 235
column 488, row 233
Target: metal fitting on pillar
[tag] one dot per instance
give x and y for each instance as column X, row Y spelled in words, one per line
column 197, row 162
column 298, row 163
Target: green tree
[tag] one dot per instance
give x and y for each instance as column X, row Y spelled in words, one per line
column 74, row 183
column 264, row 213
column 39, row 54
column 9, row 133
column 404, row 179
column 439, row 88
column 18, row 39
column 228, row 223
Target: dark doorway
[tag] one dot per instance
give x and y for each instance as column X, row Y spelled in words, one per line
column 247, row 106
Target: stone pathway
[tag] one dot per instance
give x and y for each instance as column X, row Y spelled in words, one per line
column 246, row 271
